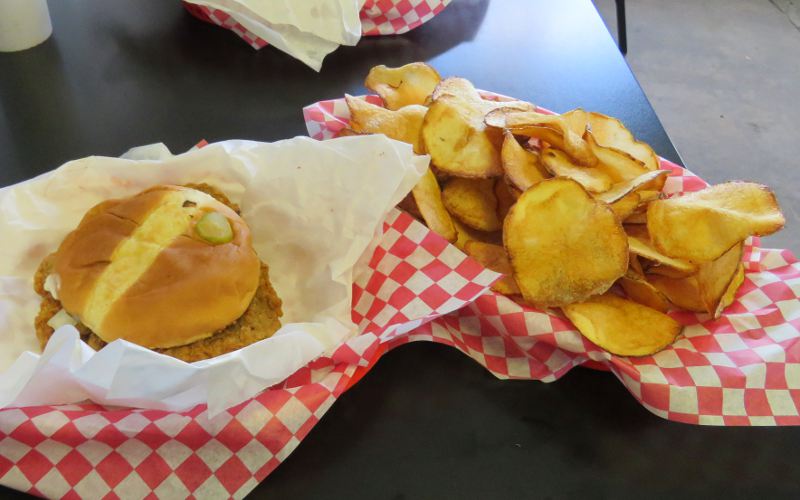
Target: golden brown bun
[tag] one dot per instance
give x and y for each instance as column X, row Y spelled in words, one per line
column 259, row 321
column 136, row 269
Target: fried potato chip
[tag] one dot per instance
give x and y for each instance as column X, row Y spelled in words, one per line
column 702, row 225
column 409, row 205
column 553, row 129
column 638, row 289
column 683, row 292
column 730, row 293
column 623, row 327
column 621, row 189
column 472, row 201
column 454, row 86
column 399, row 87
column 522, row 167
column 642, row 247
column 634, row 265
column 347, row 132
column 505, row 199
column 463, row 88
column 428, row 198
column 713, row 278
column 637, row 218
column 559, row 164
column 455, row 135
column 655, row 265
column 494, row 257
column 403, row 125
column 625, row 206
column 705, row 290
column 466, row 234
column 647, row 195
column 670, row 272
column 619, row 165
column 440, row 176
column 656, row 184
column 576, row 120
column 611, row 133
column 564, row 245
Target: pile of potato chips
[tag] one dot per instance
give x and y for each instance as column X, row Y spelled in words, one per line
column 566, row 207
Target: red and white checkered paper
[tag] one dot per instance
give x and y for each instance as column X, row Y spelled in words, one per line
column 378, row 17
column 90, row 451
column 740, row 369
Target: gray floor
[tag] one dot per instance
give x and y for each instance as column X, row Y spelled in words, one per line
column 724, row 77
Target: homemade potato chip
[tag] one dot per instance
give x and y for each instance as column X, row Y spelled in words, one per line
column 553, row 129
column 654, row 261
column 610, row 133
column 347, row 132
column 561, row 245
column 458, row 87
column 409, row 205
column 428, row 198
column 638, row 289
column 576, row 120
column 635, row 265
column 625, row 206
column 505, row 199
column 405, row 124
column 564, row 245
column 637, row 218
column 472, row 201
column 455, row 135
column 713, row 278
column 730, row 293
column 713, row 284
column 683, row 292
column 702, row 225
column 644, row 248
column 646, row 195
column 461, row 88
column 522, row 167
column 623, row 327
column 466, row 234
column 559, row 164
column 621, row 189
column 399, row 87
column 669, row 272
column 494, row 257
column 440, row 176
column 619, row 165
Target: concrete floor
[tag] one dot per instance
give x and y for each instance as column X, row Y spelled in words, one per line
column 724, row 77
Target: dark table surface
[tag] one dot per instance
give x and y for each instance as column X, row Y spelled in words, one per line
column 427, row 422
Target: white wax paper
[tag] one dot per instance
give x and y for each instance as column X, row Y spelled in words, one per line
column 308, row 30
column 313, row 208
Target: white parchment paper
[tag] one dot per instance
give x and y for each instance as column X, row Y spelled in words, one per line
column 313, row 207
column 308, row 30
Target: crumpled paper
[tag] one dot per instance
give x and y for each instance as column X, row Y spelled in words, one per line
column 308, row 30
column 312, row 219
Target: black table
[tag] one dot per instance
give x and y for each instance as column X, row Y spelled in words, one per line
column 427, row 422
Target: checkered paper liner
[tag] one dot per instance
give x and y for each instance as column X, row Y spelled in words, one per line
column 378, row 17
column 91, row 451
column 740, row 369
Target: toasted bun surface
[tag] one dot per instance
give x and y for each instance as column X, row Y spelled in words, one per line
column 136, row 269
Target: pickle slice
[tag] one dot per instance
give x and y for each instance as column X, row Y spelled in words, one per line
column 214, row 228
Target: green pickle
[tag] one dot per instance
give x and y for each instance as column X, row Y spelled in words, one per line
column 214, row 228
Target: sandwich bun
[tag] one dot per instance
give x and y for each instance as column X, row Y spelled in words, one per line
column 140, row 269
